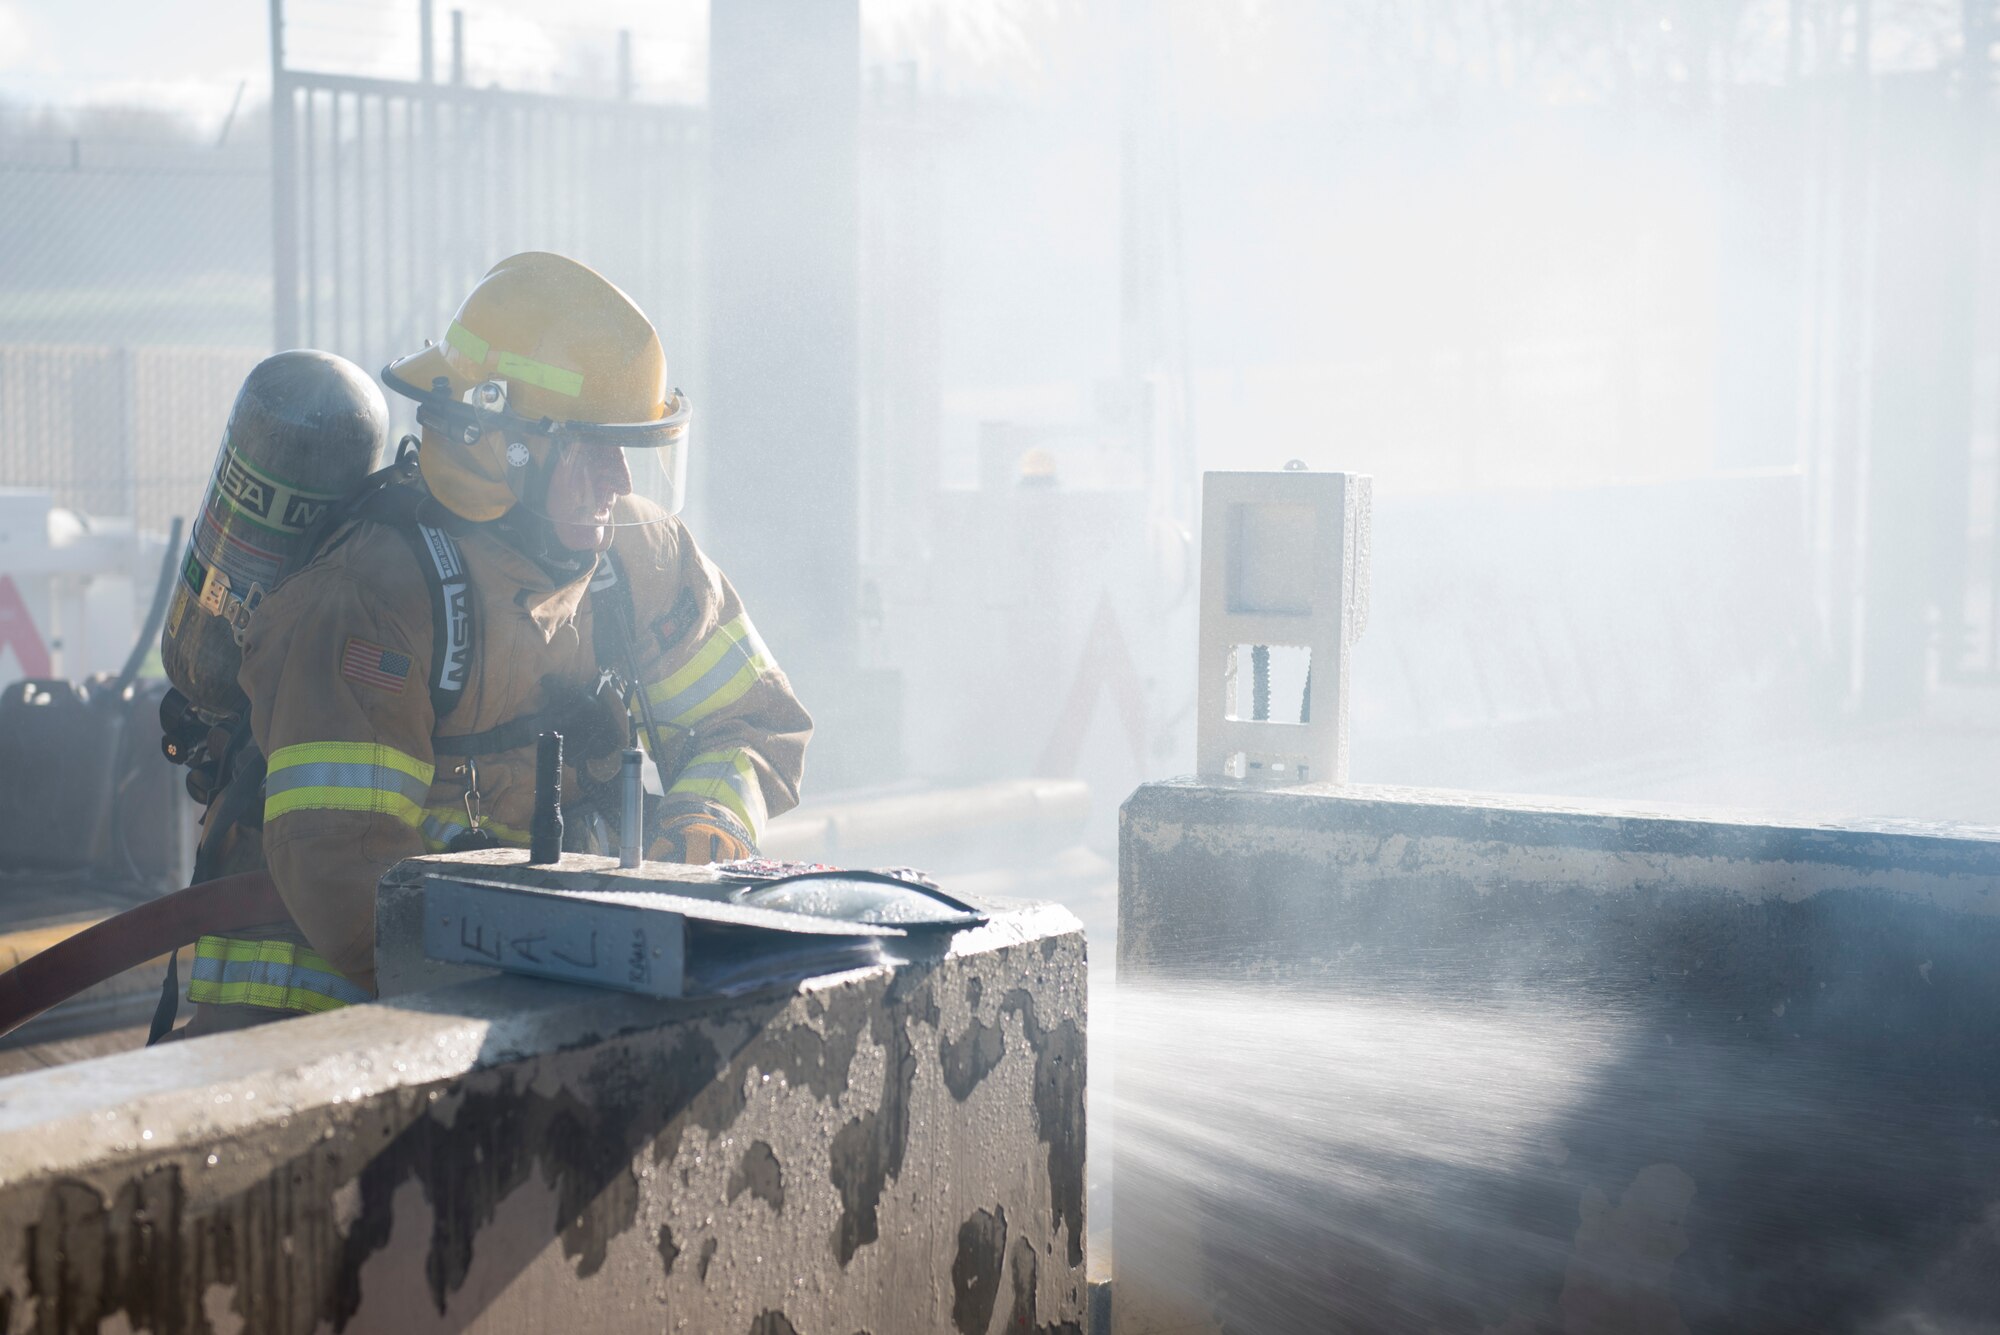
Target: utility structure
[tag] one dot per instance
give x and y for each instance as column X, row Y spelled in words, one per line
column 783, row 383
column 1284, row 564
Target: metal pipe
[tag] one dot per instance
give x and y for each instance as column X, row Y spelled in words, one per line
column 631, row 831
column 284, row 193
column 308, row 172
column 426, row 46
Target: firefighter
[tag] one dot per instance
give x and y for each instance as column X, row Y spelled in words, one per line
column 397, row 683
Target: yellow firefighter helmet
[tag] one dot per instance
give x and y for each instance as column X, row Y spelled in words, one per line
column 543, row 351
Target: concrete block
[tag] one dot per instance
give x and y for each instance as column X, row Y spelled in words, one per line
column 892, row 1149
column 1398, row 1059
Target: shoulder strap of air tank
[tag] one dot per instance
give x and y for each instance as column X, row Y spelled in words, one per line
column 612, row 612
column 412, row 513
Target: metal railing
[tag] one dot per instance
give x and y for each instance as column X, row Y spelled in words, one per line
column 391, row 197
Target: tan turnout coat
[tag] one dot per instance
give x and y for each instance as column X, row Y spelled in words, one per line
column 337, row 666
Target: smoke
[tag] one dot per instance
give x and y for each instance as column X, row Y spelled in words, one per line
column 1660, row 329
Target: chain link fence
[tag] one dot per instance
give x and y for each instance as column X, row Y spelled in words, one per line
column 134, row 297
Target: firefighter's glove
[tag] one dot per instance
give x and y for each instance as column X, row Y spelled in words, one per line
column 700, row 837
column 594, row 724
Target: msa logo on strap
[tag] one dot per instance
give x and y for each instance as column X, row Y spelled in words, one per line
column 444, row 552
column 454, row 659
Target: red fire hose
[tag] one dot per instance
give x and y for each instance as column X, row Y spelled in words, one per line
column 106, row 949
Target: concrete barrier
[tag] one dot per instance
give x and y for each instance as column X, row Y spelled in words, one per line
column 1395, row 1059
column 893, row 1149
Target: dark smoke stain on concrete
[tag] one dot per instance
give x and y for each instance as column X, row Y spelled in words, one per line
column 1024, row 1268
column 814, row 1062
column 1059, row 1077
column 1022, row 1317
column 140, row 1254
column 772, row 1323
column 761, row 1175
column 669, row 1253
column 809, row 1060
column 88, row 1260
column 867, row 1153
column 975, row 1269
column 707, row 1255
column 969, row 1060
column 499, row 1135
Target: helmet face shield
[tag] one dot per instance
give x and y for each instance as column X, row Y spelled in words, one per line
column 558, row 470
column 660, row 475
column 580, row 485
column 542, row 349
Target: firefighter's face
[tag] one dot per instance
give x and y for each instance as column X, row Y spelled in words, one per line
column 588, row 479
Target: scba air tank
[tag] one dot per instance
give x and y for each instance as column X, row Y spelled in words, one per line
column 305, row 429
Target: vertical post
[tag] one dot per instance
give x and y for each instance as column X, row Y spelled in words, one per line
column 1853, row 223
column 336, row 201
column 458, row 48
column 1794, row 38
column 308, row 142
column 284, row 194
column 426, row 44
column 783, row 243
column 1922, row 272
column 624, row 64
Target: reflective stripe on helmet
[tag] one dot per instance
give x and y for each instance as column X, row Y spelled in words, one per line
column 279, row 975
column 512, row 365
column 722, row 672
column 723, row 777
column 467, row 342
column 346, row 776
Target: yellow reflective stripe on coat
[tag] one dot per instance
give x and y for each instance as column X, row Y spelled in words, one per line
column 278, row 975
column 346, row 776
column 726, row 778
column 722, row 672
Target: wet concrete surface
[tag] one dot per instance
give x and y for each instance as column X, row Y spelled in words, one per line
column 1783, row 1113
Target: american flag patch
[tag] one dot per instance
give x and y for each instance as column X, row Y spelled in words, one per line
column 372, row 665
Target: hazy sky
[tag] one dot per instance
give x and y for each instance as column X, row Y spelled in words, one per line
column 192, row 54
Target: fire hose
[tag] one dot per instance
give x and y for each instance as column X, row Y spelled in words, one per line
column 108, row 948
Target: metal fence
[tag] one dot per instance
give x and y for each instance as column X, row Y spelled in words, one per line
column 390, row 198
column 142, row 275
column 116, row 431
